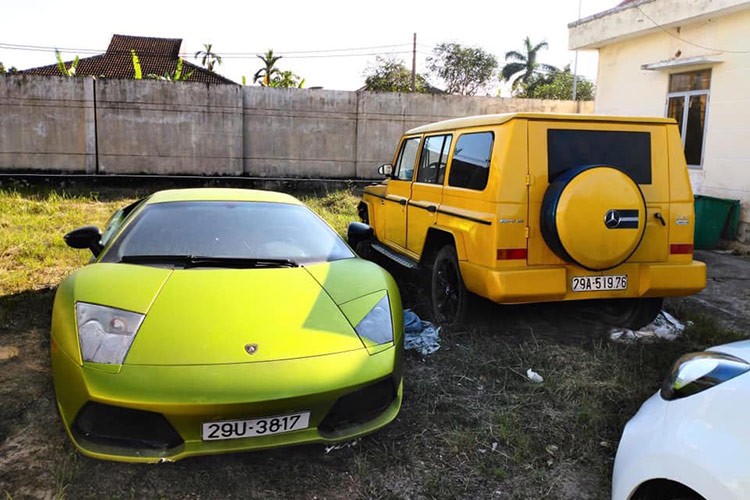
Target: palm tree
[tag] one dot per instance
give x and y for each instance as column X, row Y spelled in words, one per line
column 266, row 73
column 208, row 57
column 522, row 67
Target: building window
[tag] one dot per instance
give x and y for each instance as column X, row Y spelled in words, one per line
column 687, row 102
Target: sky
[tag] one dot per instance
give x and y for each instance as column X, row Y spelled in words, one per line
column 329, row 43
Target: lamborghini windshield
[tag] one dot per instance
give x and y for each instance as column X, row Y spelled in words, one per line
column 227, row 234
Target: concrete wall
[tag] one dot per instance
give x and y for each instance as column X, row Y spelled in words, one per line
column 624, row 87
column 47, row 124
column 293, row 133
column 153, row 126
column 133, row 127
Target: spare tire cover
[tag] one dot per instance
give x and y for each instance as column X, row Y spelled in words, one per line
column 593, row 216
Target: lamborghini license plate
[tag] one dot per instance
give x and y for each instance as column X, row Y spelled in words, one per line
column 594, row 283
column 236, row 429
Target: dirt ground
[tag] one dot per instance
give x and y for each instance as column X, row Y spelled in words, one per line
column 421, row 455
column 727, row 294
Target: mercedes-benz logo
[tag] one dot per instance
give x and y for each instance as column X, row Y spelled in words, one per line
column 612, row 219
column 251, row 348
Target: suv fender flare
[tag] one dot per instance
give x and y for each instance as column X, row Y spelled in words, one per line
column 364, row 212
column 437, row 237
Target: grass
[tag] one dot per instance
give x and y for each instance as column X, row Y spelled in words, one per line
column 472, row 425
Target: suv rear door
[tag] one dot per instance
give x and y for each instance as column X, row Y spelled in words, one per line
column 557, row 146
column 427, row 190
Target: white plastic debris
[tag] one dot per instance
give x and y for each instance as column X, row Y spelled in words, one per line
column 665, row 326
column 341, row 446
column 534, row 376
column 422, row 336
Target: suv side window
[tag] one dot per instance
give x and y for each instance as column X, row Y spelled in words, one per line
column 434, row 159
column 470, row 165
column 406, row 159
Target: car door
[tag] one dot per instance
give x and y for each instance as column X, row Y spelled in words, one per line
column 399, row 191
column 427, row 190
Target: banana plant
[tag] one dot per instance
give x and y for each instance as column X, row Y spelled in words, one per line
column 65, row 70
column 178, row 76
column 138, row 72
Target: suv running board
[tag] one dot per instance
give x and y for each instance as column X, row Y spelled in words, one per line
column 394, row 256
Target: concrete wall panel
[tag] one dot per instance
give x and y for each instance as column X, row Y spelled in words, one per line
column 46, row 124
column 293, row 133
column 168, row 128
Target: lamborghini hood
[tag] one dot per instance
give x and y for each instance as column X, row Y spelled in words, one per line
column 217, row 316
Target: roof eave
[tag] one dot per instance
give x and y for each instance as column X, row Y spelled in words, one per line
column 642, row 17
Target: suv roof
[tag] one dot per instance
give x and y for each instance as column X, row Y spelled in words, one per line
column 482, row 120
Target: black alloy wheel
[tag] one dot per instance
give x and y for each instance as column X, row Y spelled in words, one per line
column 449, row 295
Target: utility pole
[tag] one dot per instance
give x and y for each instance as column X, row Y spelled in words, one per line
column 414, row 65
column 575, row 64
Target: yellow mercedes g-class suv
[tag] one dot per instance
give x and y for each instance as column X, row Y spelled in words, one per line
column 533, row 207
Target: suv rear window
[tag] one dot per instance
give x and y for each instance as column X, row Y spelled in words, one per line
column 627, row 151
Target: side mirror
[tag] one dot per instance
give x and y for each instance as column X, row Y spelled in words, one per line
column 385, row 169
column 85, row 237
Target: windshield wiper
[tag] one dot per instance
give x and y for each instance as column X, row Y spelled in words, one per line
column 239, row 262
column 188, row 261
column 179, row 260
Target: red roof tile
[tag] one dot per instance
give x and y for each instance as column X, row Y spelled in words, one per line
column 158, row 56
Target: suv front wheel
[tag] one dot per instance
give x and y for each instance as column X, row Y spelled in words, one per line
column 450, row 299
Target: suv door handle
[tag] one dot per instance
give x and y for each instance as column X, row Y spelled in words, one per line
column 402, row 201
column 431, row 208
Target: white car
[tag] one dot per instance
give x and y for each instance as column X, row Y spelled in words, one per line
column 691, row 440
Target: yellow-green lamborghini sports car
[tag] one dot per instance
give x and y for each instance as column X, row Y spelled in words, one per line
column 221, row 320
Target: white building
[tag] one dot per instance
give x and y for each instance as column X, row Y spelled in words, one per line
column 688, row 59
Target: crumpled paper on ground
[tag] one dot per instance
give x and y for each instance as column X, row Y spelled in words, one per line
column 422, row 336
column 665, row 326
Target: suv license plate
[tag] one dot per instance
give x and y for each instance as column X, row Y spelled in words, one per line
column 594, row 283
column 237, row 429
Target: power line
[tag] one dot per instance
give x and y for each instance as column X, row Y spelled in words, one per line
column 678, row 37
column 292, row 54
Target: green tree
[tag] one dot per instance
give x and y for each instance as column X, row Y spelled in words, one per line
column 9, row 71
column 66, row 70
column 286, row 80
column 392, row 75
column 269, row 69
column 557, row 85
column 465, row 70
column 208, row 57
column 522, row 67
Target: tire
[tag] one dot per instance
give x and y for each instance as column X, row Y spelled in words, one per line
column 450, row 299
column 593, row 216
column 629, row 313
column 363, row 248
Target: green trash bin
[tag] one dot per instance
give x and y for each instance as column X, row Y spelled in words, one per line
column 714, row 218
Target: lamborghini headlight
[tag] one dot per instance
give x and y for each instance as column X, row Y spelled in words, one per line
column 696, row 372
column 105, row 333
column 377, row 325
